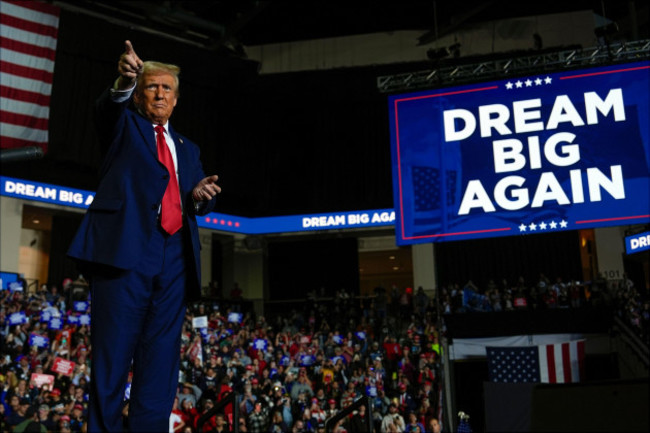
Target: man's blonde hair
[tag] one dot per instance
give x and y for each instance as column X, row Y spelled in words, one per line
column 153, row 68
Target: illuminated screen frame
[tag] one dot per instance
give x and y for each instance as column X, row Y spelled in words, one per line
column 532, row 154
column 81, row 199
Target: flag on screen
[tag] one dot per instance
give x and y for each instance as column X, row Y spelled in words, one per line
column 427, row 194
column 426, row 188
column 28, row 35
column 551, row 363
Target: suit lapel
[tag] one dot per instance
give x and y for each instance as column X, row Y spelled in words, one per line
column 147, row 132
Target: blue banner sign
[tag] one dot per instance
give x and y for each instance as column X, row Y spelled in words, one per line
column 637, row 243
column 534, row 154
column 47, row 193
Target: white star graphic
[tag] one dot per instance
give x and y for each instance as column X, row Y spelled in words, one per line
column 563, row 224
column 508, row 85
column 538, row 81
column 522, row 228
column 542, row 225
column 518, row 84
column 547, row 80
column 528, row 83
column 553, row 224
column 532, row 227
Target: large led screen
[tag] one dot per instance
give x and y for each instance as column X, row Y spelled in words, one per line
column 530, row 154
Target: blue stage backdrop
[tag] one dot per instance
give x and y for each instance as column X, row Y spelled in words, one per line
column 532, row 154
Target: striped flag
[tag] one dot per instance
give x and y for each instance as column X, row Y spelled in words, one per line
column 28, row 34
column 551, row 363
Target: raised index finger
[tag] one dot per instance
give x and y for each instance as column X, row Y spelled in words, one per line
column 128, row 48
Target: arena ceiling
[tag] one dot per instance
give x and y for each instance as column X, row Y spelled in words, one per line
column 218, row 24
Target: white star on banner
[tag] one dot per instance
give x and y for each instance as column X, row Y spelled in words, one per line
column 518, row 84
column 522, row 227
column 509, row 85
column 532, row 227
column 553, row 224
column 542, row 225
column 538, row 81
column 529, row 83
column 548, row 80
column 563, row 224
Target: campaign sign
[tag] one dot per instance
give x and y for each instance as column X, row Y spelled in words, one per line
column 200, row 322
column 63, row 366
column 55, row 323
column 45, row 316
column 37, row 340
column 16, row 286
column 7, row 278
column 18, row 318
column 81, row 306
column 234, row 317
column 637, row 243
column 38, row 380
column 533, row 154
column 260, row 344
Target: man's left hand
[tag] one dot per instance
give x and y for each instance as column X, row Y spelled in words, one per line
column 206, row 189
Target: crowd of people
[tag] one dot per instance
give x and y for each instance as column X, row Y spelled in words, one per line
column 288, row 372
column 632, row 305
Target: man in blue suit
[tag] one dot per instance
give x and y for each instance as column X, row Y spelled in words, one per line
column 139, row 241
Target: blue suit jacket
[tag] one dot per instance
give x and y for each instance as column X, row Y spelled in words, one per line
column 124, row 212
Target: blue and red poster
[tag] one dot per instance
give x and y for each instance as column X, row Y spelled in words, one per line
column 533, row 154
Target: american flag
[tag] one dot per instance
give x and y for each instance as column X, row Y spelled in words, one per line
column 551, row 363
column 426, row 188
column 28, row 35
column 427, row 195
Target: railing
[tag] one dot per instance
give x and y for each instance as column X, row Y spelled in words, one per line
column 500, row 64
column 633, row 341
column 330, row 423
column 230, row 398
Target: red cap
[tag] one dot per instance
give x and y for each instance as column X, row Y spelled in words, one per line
column 55, row 391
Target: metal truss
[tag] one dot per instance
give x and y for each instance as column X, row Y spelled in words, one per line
column 499, row 68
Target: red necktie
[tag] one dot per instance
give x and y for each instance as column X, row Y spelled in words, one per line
column 171, row 218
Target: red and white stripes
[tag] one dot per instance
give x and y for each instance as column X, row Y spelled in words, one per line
column 28, row 36
column 562, row 362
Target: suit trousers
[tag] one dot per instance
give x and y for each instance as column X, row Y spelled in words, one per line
column 137, row 317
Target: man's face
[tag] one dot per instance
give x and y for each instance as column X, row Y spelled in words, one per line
column 157, row 97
